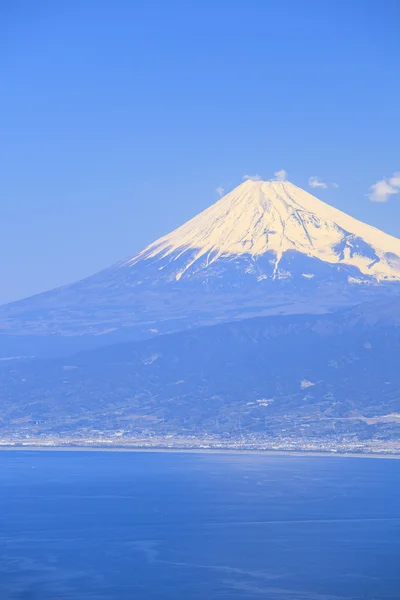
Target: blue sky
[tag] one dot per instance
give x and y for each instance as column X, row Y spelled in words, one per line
column 120, row 119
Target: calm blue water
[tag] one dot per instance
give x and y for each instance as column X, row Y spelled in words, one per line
column 119, row 526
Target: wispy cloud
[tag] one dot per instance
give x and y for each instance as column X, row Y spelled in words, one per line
column 280, row 175
column 251, row 177
column 220, row 191
column 335, row 185
column 384, row 188
column 395, row 179
column 314, row 182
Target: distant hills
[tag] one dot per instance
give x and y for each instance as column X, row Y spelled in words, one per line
column 298, row 378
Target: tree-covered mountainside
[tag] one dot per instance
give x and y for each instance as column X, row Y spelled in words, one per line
column 297, row 377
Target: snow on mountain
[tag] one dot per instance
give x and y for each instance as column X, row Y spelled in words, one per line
column 267, row 247
column 276, row 216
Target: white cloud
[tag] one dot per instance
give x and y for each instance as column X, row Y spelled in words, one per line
column 305, row 383
column 395, row 179
column 384, row 188
column 335, row 185
column 251, row 177
column 381, row 191
column 314, row 182
column 281, row 175
column 220, row 191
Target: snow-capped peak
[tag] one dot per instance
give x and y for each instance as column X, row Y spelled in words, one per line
column 277, row 216
column 265, row 248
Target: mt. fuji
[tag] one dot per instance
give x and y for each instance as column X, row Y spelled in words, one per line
column 267, row 247
column 273, row 218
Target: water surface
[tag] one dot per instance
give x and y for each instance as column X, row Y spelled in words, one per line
column 152, row 526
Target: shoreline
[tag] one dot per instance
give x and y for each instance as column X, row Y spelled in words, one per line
column 234, row 451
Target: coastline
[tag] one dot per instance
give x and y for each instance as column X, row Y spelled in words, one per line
column 199, row 450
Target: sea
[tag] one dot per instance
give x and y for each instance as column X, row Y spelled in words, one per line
column 183, row 526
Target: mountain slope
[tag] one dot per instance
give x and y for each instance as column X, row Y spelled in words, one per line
column 265, row 248
column 329, row 379
column 276, row 217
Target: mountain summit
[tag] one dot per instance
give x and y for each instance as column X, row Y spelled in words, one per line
column 267, row 247
column 276, row 217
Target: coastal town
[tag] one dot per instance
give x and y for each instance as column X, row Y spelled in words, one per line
column 207, row 443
